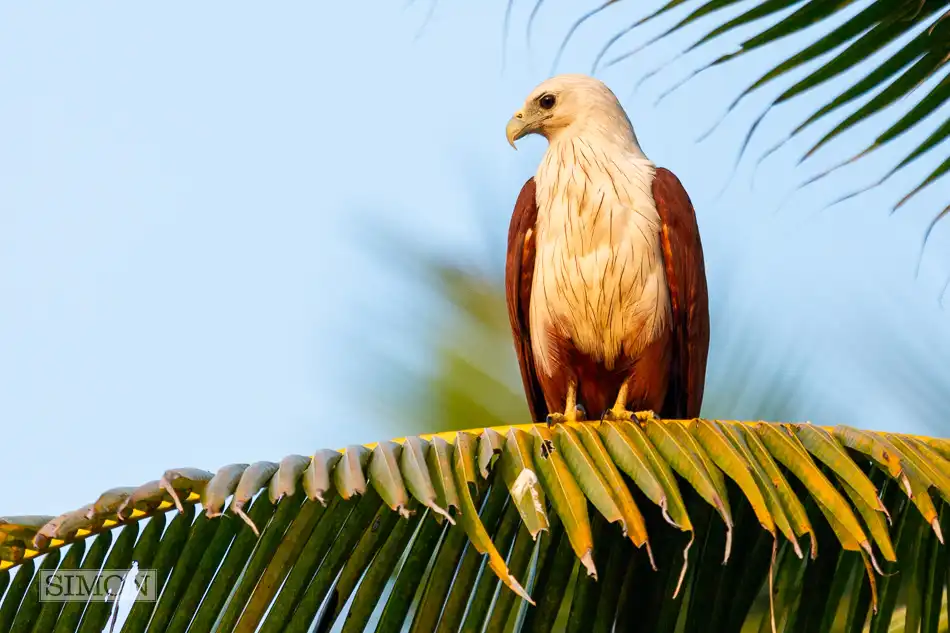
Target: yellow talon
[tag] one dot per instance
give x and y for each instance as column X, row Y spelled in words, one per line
column 619, row 411
column 577, row 414
column 573, row 412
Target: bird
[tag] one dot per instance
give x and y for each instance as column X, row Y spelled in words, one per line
column 605, row 280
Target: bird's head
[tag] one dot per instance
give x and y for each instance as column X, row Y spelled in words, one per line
column 569, row 103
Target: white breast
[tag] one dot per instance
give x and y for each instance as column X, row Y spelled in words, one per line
column 599, row 278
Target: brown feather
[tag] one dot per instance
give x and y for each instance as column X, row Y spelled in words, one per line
column 598, row 386
column 519, row 272
column 668, row 376
column 689, row 297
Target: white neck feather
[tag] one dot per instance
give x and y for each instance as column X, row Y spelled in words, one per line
column 599, row 277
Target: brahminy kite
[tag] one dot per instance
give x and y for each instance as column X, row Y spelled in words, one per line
column 605, row 280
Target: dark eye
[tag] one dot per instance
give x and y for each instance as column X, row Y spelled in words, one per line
column 546, row 101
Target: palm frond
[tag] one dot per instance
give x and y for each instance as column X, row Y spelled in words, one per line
column 834, row 51
column 642, row 525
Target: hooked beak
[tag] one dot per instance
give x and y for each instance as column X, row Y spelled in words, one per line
column 517, row 128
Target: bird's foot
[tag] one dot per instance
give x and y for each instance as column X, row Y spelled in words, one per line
column 617, row 413
column 620, row 412
column 577, row 414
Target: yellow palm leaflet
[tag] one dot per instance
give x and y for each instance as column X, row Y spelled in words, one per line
column 932, row 463
column 289, row 471
column 316, row 478
column 728, row 458
column 490, row 443
column 684, row 460
column 415, row 473
column 386, row 478
column 634, row 524
column 877, row 448
column 463, row 467
column 590, row 478
column 348, row 474
column 439, row 460
column 178, row 482
column 221, row 486
column 873, row 519
column 769, row 489
column 838, row 524
column 823, row 446
column 790, row 502
column 146, row 498
column 517, row 469
column 835, row 508
column 66, row 526
column 940, row 445
column 252, row 480
column 17, row 531
column 681, row 430
column 108, row 502
column 629, row 448
column 920, row 485
column 566, row 496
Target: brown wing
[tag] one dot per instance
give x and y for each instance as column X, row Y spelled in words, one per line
column 519, row 272
column 686, row 274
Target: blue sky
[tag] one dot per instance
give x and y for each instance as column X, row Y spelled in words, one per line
column 182, row 190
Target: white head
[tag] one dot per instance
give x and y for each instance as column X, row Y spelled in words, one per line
column 571, row 106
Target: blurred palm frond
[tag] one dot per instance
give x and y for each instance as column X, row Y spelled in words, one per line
column 905, row 43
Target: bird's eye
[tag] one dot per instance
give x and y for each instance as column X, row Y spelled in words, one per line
column 546, row 101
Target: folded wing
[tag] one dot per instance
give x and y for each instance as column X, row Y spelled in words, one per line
column 686, row 275
column 519, row 272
